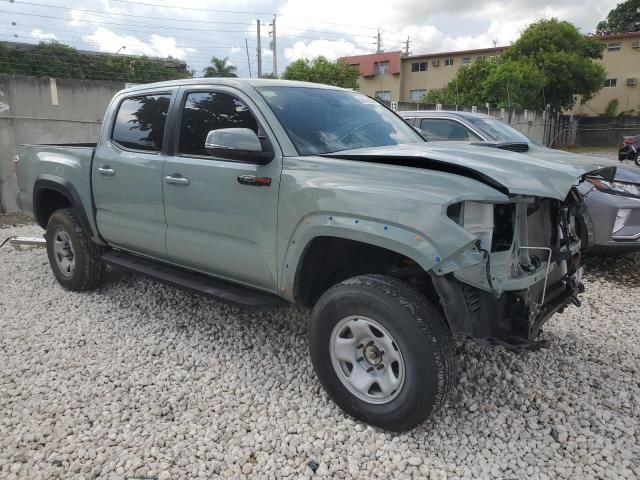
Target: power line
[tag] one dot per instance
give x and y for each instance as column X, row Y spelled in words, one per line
column 201, row 41
column 193, row 8
column 105, row 13
column 123, row 24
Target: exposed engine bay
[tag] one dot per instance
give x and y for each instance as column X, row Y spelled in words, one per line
column 530, row 268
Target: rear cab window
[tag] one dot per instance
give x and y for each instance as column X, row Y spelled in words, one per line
column 140, row 122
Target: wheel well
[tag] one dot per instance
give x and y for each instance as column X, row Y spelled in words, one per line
column 48, row 201
column 330, row 260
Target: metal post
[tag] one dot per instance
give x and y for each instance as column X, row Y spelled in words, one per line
column 259, row 50
column 274, row 47
column 246, row 44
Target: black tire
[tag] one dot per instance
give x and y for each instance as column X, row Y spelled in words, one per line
column 636, row 160
column 417, row 328
column 86, row 254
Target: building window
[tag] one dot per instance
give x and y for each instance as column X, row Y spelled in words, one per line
column 355, row 66
column 466, row 60
column 416, row 95
column 610, row 82
column 481, row 57
column 448, row 61
column 613, row 47
column 418, row 66
column 384, row 95
column 382, row 68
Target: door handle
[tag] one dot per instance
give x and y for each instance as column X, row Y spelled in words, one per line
column 174, row 180
column 107, row 171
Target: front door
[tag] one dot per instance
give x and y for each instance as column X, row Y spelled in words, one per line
column 216, row 222
column 127, row 175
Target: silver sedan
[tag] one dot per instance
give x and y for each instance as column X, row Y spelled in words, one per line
column 612, row 219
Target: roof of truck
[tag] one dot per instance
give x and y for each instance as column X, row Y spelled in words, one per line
column 232, row 82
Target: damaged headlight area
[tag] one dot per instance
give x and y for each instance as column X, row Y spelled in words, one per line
column 530, row 267
column 615, row 188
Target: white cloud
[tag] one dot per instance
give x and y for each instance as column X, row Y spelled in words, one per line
column 37, row 33
column 330, row 49
column 158, row 46
column 431, row 26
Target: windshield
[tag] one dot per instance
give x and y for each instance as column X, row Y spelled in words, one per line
column 320, row 120
column 499, row 131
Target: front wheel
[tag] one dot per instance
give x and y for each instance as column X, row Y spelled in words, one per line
column 382, row 351
column 636, row 160
column 74, row 258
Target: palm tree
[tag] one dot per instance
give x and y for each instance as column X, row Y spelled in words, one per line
column 219, row 68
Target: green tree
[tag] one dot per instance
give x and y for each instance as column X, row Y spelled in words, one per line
column 322, row 70
column 220, row 68
column 550, row 63
column 564, row 57
column 515, row 85
column 624, row 18
column 53, row 59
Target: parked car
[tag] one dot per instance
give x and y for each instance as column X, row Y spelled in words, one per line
column 262, row 192
column 630, row 149
column 612, row 219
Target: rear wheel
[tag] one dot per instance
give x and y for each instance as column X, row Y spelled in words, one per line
column 382, row 351
column 636, row 160
column 74, row 258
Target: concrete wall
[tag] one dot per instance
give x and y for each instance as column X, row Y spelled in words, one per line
column 44, row 110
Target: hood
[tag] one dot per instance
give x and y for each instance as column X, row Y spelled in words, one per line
column 508, row 172
column 623, row 174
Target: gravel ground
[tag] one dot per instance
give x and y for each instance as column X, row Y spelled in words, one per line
column 140, row 380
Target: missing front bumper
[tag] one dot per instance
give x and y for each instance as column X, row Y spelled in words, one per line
column 513, row 319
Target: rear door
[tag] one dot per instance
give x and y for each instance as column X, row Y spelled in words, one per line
column 127, row 174
column 216, row 222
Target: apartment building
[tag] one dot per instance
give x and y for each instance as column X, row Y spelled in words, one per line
column 621, row 60
column 394, row 77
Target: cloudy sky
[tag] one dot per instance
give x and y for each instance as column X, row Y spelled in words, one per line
column 194, row 30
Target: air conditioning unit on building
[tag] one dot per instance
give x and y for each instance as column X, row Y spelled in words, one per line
column 635, row 44
column 435, row 63
column 632, row 82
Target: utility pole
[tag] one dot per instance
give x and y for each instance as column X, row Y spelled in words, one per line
column 379, row 42
column 246, row 44
column 406, row 47
column 259, row 50
column 274, row 47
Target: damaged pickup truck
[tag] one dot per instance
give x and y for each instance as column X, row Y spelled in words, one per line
column 259, row 192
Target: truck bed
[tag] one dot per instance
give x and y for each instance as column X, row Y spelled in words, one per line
column 66, row 163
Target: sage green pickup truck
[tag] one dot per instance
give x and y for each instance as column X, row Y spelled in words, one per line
column 263, row 192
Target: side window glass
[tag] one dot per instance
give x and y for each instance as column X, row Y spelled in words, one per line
column 140, row 122
column 206, row 111
column 435, row 129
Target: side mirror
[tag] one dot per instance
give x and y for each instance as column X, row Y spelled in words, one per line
column 236, row 144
